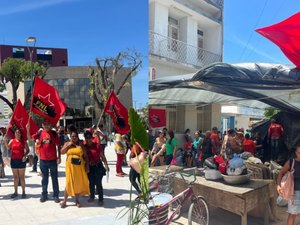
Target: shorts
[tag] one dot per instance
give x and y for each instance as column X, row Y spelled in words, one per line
column 294, row 205
column 17, row 164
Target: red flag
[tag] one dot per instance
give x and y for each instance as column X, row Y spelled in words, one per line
column 46, row 101
column 157, row 117
column 286, row 36
column 19, row 120
column 118, row 113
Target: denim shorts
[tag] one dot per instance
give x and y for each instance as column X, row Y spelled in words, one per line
column 294, row 205
column 17, row 164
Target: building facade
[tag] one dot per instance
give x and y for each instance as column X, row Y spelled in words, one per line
column 43, row 55
column 72, row 83
column 184, row 36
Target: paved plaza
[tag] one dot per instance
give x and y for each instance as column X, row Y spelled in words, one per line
column 30, row 211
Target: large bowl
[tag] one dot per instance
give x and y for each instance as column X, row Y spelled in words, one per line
column 240, row 179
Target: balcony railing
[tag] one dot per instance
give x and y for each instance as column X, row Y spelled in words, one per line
column 180, row 52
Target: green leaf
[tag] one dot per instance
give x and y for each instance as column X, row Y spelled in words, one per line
column 138, row 130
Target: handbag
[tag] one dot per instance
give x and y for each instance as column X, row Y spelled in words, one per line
column 287, row 184
column 174, row 161
column 76, row 161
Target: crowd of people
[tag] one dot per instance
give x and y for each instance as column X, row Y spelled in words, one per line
column 85, row 164
column 195, row 149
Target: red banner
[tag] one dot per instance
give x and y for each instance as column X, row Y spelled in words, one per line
column 157, row 117
column 118, row 113
column 46, row 101
column 286, row 36
column 19, row 120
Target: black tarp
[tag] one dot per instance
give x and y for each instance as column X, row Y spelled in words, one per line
column 256, row 85
column 291, row 138
column 274, row 84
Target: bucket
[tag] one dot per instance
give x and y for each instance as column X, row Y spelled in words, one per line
column 161, row 216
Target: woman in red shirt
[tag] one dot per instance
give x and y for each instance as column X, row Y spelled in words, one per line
column 19, row 152
column 97, row 171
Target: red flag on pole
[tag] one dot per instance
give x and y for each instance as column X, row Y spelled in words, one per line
column 157, row 117
column 118, row 113
column 286, row 36
column 19, row 120
column 46, row 101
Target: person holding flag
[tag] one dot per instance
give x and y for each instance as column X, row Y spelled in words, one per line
column 19, row 151
column 49, row 157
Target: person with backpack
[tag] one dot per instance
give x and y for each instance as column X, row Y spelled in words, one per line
column 294, row 203
column 49, row 157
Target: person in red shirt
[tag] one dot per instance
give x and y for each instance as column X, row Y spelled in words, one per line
column 215, row 140
column 97, row 171
column 248, row 144
column 19, row 151
column 275, row 135
column 49, row 157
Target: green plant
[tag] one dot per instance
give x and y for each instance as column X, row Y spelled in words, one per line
column 138, row 210
column 271, row 112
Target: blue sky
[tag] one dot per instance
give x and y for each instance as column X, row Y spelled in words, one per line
column 241, row 18
column 87, row 28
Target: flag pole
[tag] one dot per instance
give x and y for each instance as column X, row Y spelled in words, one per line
column 100, row 118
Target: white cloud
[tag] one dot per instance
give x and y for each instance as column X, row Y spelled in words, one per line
column 26, row 6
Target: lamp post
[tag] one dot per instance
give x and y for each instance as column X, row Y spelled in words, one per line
column 31, row 41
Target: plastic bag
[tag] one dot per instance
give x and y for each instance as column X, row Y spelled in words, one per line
column 287, row 184
column 236, row 162
column 174, row 161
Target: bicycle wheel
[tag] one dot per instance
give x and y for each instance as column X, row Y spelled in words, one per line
column 198, row 212
column 173, row 207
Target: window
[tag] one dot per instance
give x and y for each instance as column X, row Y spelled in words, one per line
column 200, row 44
column 18, row 53
column 173, row 34
column 44, row 56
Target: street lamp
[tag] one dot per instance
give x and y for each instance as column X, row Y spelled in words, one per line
column 31, row 41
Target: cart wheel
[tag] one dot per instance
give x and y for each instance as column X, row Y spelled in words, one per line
column 198, row 212
column 173, row 207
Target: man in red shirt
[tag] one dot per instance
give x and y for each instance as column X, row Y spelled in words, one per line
column 248, row 144
column 49, row 157
column 214, row 140
column 275, row 135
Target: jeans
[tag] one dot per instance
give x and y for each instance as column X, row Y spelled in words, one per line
column 169, row 159
column 95, row 179
column 35, row 161
column 133, row 175
column 45, row 166
column 275, row 145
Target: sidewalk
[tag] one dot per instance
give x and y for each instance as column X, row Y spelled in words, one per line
column 31, row 211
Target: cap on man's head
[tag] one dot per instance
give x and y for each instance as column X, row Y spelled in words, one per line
column 214, row 128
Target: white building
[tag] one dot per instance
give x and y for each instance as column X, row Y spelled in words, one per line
column 184, row 36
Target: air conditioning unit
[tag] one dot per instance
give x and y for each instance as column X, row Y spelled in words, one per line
column 152, row 73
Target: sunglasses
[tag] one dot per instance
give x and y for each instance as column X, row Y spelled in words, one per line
column 88, row 138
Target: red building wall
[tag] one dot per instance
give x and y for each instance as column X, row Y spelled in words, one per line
column 59, row 55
